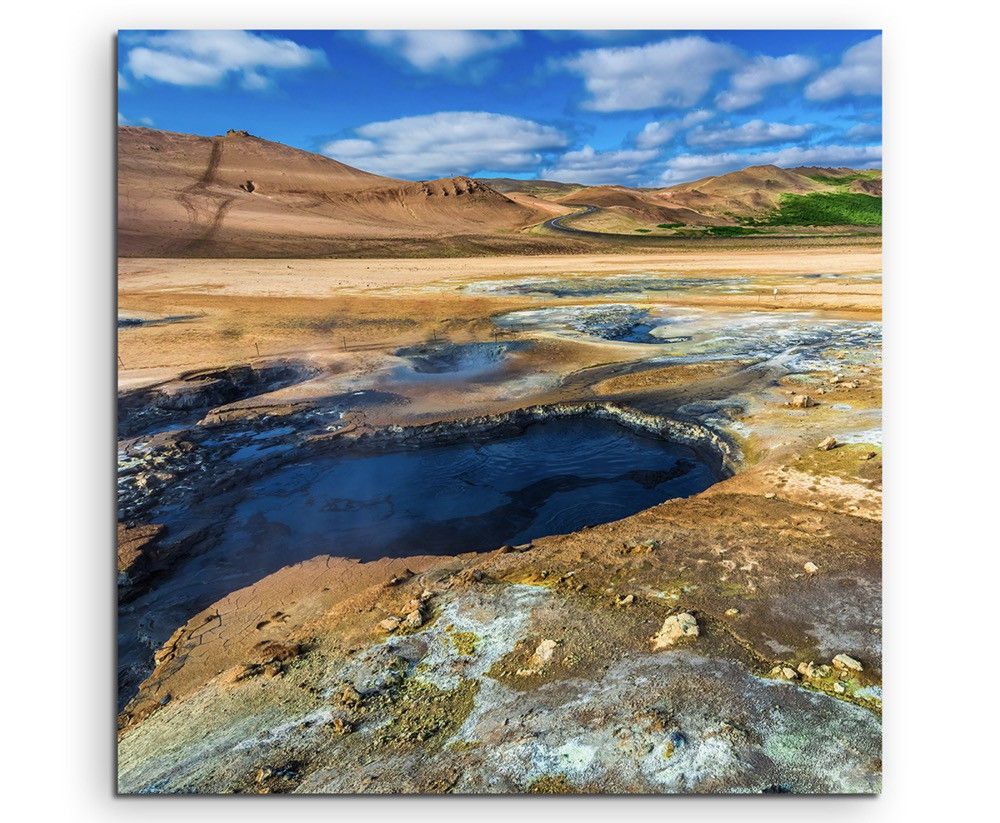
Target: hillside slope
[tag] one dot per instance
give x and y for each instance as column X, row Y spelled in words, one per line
column 753, row 195
column 240, row 196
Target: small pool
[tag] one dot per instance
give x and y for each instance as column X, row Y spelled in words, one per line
column 455, row 361
column 555, row 477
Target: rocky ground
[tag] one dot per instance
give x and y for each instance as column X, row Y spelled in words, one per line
column 727, row 642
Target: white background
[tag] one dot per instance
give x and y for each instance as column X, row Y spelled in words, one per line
column 56, row 188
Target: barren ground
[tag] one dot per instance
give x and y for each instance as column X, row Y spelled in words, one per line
column 528, row 668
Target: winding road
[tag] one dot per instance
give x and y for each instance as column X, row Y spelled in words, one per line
column 559, row 224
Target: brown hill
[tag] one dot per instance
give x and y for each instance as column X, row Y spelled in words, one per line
column 639, row 205
column 240, row 196
column 830, row 171
column 711, row 201
column 749, row 192
column 872, row 187
column 550, row 189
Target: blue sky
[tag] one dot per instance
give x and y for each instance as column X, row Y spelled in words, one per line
column 640, row 108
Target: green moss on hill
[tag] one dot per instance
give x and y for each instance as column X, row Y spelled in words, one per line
column 826, row 209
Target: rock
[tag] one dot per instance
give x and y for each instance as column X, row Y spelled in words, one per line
column 810, row 567
column 675, row 627
column 349, row 697
column 869, row 456
column 827, row 443
column 340, row 726
column 838, row 687
column 802, row 401
column 783, row 672
column 540, row 659
column 627, row 600
column 845, row 662
column 732, row 612
column 405, row 575
column 810, row 671
column 390, row 624
column 769, row 495
column 471, row 576
column 414, row 620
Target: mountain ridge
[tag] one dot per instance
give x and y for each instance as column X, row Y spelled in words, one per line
column 237, row 195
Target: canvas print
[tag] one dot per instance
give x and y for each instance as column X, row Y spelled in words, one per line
column 499, row 412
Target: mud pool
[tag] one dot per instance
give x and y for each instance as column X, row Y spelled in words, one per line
column 451, row 361
column 555, row 478
column 693, row 335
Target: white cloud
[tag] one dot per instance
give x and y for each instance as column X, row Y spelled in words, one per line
column 693, row 166
column 674, row 73
column 659, row 132
column 751, row 133
column 859, row 72
column 447, row 143
column 596, row 167
column 435, row 50
column 206, row 58
column 144, row 121
column 255, row 81
column 864, row 131
column 747, row 86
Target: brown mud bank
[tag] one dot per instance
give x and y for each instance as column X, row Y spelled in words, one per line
column 185, row 399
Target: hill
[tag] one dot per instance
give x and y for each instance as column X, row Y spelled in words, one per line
column 237, row 195
column 756, row 195
column 549, row 189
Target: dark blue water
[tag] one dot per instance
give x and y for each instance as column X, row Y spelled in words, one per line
column 556, row 477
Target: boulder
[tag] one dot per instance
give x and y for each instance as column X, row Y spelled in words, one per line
column 845, row 662
column 540, row 659
column 827, row 443
column 414, row 620
column 675, row 627
column 390, row 624
column 802, row 401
